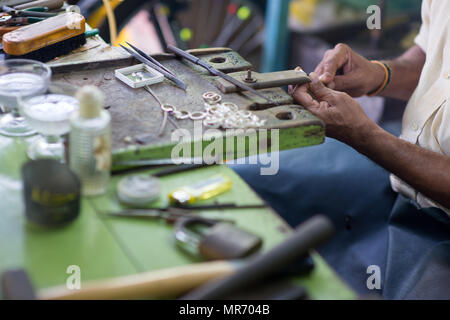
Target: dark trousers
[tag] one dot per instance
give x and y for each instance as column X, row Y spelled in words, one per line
column 375, row 226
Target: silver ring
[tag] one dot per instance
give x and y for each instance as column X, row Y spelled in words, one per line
column 197, row 115
column 181, row 115
column 168, row 108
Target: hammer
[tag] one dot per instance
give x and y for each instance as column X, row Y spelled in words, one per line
column 174, row 282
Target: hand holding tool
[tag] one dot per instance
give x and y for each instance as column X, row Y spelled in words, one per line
column 200, row 62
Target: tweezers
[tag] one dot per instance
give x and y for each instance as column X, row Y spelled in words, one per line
column 153, row 63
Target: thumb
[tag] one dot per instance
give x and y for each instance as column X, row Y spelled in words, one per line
column 318, row 89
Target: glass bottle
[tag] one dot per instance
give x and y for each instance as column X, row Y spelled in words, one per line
column 90, row 142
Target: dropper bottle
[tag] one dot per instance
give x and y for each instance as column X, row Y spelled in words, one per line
column 90, row 142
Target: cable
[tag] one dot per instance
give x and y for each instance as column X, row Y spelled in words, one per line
column 111, row 22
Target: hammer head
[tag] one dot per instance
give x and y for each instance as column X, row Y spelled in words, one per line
column 16, row 285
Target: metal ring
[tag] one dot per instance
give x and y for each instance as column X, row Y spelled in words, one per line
column 181, row 115
column 211, row 123
column 168, row 108
column 209, row 95
column 230, row 105
column 245, row 113
column 197, row 115
column 212, row 97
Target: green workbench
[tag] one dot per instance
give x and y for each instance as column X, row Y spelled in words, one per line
column 108, row 247
column 105, row 247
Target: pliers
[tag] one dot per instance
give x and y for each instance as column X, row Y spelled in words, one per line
column 27, row 12
column 8, row 20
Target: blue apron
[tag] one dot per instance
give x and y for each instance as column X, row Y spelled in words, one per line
column 375, row 226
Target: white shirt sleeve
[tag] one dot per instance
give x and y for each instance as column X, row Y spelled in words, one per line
column 422, row 38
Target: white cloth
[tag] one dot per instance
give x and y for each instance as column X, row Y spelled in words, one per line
column 426, row 121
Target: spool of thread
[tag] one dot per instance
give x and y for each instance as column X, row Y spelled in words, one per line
column 138, row 190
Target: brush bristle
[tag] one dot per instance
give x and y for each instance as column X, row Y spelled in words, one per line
column 55, row 50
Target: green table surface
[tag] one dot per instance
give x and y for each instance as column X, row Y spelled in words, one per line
column 105, row 247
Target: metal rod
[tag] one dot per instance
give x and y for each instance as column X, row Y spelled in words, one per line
column 216, row 72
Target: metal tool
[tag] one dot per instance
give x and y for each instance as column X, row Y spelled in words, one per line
column 183, row 210
column 8, row 20
column 264, row 80
column 146, row 56
column 51, row 4
column 26, row 13
column 139, row 165
column 169, row 216
column 216, row 72
column 166, row 74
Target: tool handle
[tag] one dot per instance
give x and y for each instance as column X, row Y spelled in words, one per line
column 91, row 33
column 154, row 284
column 307, row 236
column 50, row 4
column 37, row 14
column 34, row 19
column 37, row 9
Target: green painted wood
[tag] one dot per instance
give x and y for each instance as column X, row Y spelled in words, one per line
column 152, row 245
column 46, row 254
column 109, row 247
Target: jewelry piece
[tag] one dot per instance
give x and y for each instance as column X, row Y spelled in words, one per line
column 197, row 115
column 226, row 115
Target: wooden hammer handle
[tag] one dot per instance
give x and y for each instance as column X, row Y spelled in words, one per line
column 154, row 284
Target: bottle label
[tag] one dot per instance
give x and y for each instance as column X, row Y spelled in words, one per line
column 102, row 153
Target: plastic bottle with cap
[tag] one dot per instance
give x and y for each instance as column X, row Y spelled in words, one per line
column 90, row 142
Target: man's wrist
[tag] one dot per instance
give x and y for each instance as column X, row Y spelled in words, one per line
column 381, row 78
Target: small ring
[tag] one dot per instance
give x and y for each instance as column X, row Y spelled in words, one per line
column 168, row 108
column 197, row 115
column 230, row 105
column 181, row 115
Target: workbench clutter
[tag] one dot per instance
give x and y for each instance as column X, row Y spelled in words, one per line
column 207, row 280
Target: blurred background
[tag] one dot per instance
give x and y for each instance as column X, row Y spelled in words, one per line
column 271, row 34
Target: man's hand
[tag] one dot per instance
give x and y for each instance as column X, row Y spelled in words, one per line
column 342, row 69
column 344, row 118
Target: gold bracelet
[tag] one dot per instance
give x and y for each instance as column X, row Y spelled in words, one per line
column 387, row 79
